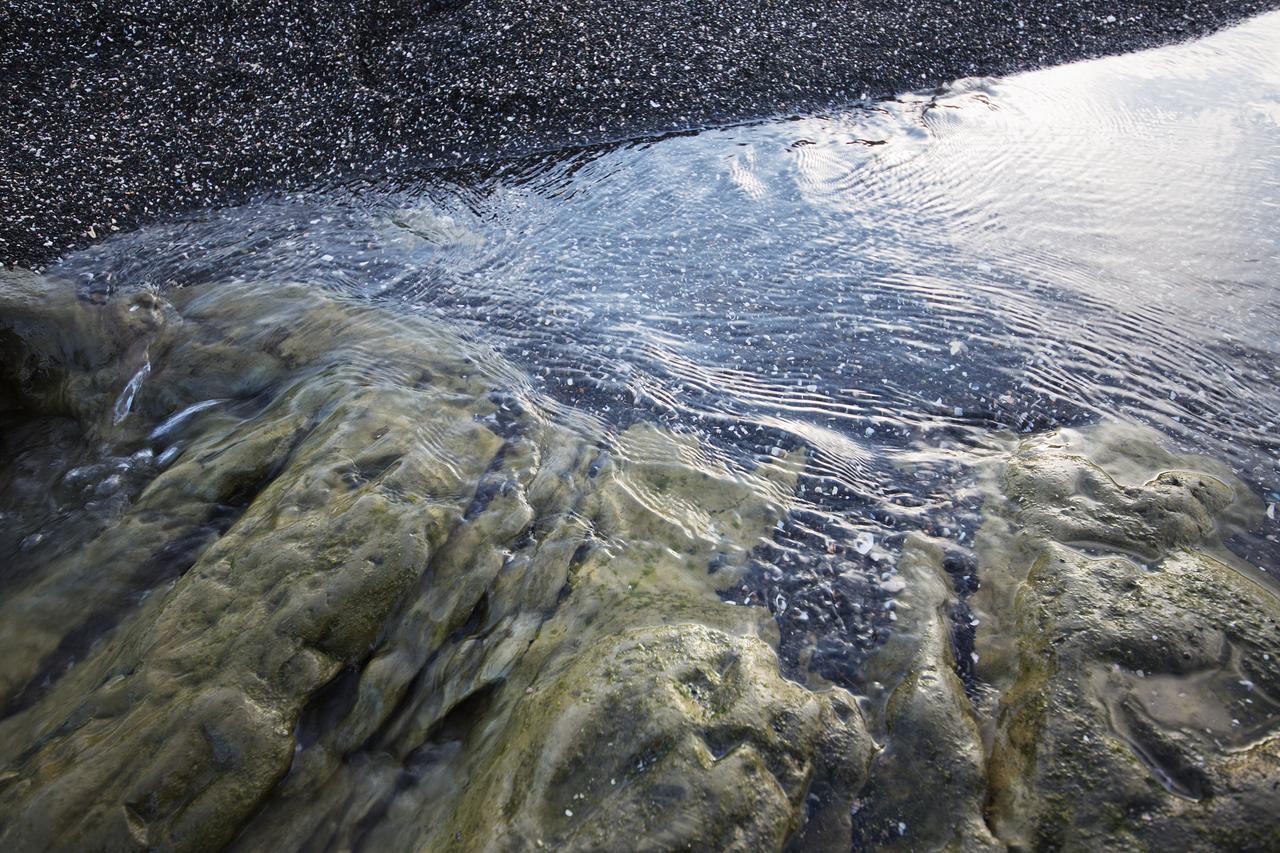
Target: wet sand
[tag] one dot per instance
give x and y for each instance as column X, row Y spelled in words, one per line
column 120, row 116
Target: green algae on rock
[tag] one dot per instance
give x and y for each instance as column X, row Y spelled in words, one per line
column 1141, row 695
column 289, row 572
column 652, row 736
column 927, row 791
column 363, row 589
column 1126, row 678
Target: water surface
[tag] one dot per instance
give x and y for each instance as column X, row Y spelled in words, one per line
column 887, row 285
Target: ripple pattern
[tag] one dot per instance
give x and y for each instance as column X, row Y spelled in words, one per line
column 884, row 285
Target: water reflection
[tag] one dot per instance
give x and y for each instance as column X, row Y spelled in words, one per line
column 1088, row 241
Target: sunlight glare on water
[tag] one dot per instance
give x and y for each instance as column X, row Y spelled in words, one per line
column 883, row 284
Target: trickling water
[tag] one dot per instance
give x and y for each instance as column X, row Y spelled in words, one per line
column 173, row 422
column 1097, row 239
column 124, row 403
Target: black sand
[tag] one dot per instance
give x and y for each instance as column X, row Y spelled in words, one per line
column 116, row 112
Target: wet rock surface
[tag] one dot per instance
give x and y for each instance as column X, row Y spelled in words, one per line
column 286, row 571
column 370, row 600
column 928, row 788
column 1124, row 692
column 116, row 113
column 1139, row 692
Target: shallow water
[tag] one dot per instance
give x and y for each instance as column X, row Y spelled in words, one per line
column 1096, row 240
column 886, row 285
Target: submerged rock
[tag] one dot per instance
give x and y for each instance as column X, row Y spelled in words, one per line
column 369, row 596
column 681, row 736
column 1141, row 700
column 332, row 579
column 1123, row 690
column 927, row 791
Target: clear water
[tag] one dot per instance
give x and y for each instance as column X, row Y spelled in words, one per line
column 887, row 284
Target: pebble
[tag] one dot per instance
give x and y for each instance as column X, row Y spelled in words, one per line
column 118, row 119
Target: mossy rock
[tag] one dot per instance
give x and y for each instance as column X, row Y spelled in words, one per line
column 1142, row 707
column 677, row 737
column 358, row 589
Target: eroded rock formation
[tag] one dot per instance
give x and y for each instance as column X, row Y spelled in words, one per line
column 368, row 596
column 1126, row 690
column 284, row 571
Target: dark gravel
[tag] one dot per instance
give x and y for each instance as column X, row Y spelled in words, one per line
column 119, row 111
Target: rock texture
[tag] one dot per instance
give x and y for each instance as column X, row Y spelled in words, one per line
column 281, row 571
column 1123, row 691
column 352, row 591
column 1143, row 700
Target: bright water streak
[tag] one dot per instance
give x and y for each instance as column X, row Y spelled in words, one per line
column 881, row 283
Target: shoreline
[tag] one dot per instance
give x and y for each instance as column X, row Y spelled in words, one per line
column 109, row 123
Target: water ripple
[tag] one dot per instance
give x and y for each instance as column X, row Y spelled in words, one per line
column 1088, row 241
